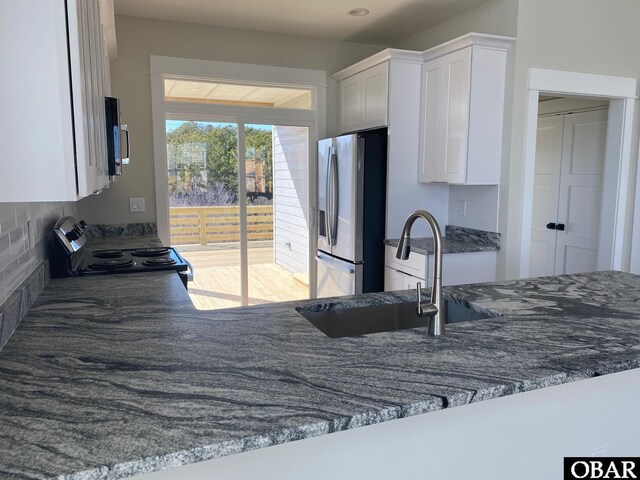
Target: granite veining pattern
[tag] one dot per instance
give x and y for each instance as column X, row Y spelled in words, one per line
column 123, row 242
column 109, row 377
column 121, row 229
column 456, row 240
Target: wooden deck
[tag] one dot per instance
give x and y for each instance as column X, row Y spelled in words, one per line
column 216, row 281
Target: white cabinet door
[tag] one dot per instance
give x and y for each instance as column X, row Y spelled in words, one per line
column 55, row 111
column 462, row 115
column 431, row 117
column 375, row 85
column 91, row 84
column 364, row 99
column 463, row 268
column 455, row 118
column 36, row 120
column 351, row 93
column 411, row 282
column 415, row 265
column 395, row 280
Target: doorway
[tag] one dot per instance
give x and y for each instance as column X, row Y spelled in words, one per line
column 245, row 95
column 568, row 186
column 620, row 92
column 237, row 201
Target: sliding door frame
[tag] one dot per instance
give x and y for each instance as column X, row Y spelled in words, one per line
column 179, row 68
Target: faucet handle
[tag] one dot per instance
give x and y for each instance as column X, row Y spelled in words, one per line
column 419, row 292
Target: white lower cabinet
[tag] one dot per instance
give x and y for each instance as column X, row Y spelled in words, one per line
column 462, row 268
column 396, row 280
column 457, row 269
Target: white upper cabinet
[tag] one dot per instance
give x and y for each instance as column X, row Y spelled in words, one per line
column 363, row 99
column 366, row 92
column 462, row 110
column 56, row 75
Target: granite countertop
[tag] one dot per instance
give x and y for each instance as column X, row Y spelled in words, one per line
column 116, row 375
column 123, row 242
column 456, row 240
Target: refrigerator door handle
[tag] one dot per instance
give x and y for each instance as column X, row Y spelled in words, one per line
column 327, row 186
column 332, row 197
column 335, row 265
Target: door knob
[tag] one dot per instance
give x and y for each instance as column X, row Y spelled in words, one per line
column 551, row 226
column 560, row 226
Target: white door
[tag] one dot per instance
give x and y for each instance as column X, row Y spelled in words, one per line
column 546, row 189
column 570, row 152
column 583, row 153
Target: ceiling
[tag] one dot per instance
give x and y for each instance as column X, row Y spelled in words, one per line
column 227, row 93
column 389, row 22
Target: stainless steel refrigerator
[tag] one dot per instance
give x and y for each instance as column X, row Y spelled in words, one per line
column 352, row 191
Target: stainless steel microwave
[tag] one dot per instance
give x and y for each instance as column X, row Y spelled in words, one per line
column 114, row 131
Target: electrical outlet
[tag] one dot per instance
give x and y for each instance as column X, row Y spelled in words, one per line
column 601, row 452
column 462, row 208
column 136, row 204
column 31, row 232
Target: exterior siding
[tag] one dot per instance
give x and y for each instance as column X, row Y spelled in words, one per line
column 291, row 198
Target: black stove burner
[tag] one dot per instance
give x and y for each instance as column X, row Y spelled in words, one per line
column 107, row 253
column 150, row 252
column 112, row 263
column 152, row 262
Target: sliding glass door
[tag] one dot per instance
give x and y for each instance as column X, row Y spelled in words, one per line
column 277, row 214
column 239, row 206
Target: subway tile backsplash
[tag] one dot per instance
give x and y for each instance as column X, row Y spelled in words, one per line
column 23, row 272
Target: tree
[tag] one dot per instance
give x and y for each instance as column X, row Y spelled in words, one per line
column 221, row 163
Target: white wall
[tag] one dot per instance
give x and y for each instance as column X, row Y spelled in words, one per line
column 496, row 17
column 291, row 198
column 588, row 36
column 139, row 38
column 481, row 206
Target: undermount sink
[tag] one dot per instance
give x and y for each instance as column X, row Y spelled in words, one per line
column 350, row 322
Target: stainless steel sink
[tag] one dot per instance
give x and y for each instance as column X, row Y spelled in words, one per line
column 350, row 322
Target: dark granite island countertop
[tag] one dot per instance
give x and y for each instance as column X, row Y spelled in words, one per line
column 112, row 376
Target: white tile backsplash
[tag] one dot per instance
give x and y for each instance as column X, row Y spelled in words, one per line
column 481, row 206
column 17, row 260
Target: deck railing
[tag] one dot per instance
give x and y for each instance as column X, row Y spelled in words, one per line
column 204, row 225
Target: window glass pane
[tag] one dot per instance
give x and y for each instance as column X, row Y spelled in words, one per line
column 204, row 211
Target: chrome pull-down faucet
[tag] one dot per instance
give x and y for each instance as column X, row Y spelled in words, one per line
column 435, row 307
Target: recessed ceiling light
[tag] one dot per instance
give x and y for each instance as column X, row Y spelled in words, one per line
column 358, row 12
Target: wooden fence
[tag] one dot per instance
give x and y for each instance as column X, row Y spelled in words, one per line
column 204, row 225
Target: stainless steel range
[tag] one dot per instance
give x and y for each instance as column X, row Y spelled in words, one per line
column 71, row 257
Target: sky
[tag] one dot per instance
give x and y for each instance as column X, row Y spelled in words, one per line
column 173, row 124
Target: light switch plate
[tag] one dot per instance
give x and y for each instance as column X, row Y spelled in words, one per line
column 462, row 208
column 136, row 204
